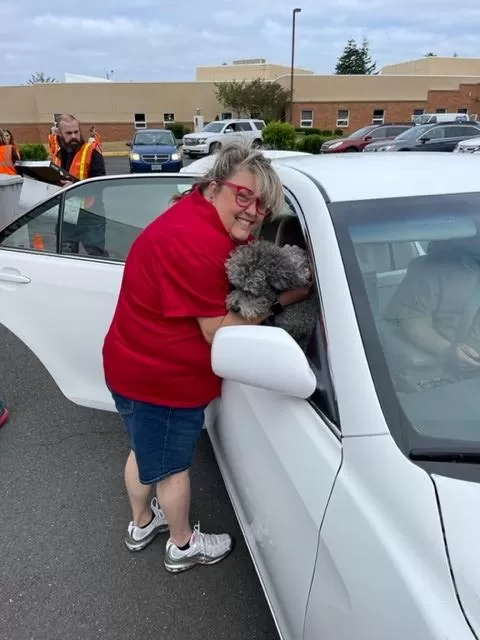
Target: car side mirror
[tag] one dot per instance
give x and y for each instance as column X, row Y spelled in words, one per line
column 368, row 138
column 424, row 140
column 263, row 357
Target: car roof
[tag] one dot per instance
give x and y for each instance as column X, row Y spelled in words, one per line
column 365, row 176
column 202, row 165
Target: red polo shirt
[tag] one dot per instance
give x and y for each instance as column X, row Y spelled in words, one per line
column 175, row 273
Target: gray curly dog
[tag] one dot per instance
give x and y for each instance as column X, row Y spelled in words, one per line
column 258, row 273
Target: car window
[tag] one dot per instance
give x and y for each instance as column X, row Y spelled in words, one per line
column 381, row 132
column 99, row 219
column 393, row 132
column 36, row 230
column 259, row 124
column 244, row 126
column 382, row 257
column 435, row 134
column 462, row 132
column 415, row 323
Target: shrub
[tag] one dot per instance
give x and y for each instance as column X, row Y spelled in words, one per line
column 280, row 135
column 177, row 128
column 338, row 132
column 33, row 152
column 311, row 144
column 312, row 132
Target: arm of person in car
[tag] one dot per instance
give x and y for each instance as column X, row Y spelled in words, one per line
column 210, row 326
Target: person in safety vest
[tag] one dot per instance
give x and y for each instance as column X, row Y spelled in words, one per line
column 96, row 138
column 53, row 144
column 8, row 138
column 84, row 216
column 8, row 157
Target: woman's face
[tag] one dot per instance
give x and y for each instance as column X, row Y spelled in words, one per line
column 7, row 137
column 238, row 204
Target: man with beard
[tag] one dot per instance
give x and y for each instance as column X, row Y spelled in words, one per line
column 84, row 218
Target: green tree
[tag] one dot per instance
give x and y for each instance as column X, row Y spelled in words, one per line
column 356, row 60
column 430, row 55
column 257, row 98
column 233, row 96
column 40, row 78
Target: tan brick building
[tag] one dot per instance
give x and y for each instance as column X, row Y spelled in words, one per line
column 327, row 102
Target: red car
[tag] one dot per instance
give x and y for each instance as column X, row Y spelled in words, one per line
column 358, row 140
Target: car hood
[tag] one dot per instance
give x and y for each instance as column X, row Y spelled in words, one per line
column 470, row 142
column 329, row 143
column 201, row 134
column 149, row 149
column 459, row 502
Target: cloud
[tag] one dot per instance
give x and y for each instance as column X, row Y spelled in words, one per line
column 150, row 41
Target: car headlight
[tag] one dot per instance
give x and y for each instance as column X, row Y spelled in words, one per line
column 135, row 157
column 202, row 140
column 334, row 145
column 176, row 156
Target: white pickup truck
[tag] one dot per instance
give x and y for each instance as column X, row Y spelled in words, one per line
column 216, row 133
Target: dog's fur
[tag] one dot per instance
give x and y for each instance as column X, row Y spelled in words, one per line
column 258, row 273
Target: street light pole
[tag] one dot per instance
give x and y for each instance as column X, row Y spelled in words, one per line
column 292, row 66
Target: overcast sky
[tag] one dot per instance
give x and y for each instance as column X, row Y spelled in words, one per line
column 138, row 40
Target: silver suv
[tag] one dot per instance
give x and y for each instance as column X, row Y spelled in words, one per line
column 215, row 133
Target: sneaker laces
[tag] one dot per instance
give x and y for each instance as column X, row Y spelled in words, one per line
column 205, row 540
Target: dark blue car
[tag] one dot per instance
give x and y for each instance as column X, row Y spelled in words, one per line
column 155, row 150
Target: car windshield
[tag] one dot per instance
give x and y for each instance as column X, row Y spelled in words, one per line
column 360, row 133
column 413, row 267
column 157, row 138
column 413, row 132
column 213, row 127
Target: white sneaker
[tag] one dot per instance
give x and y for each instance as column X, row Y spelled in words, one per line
column 205, row 548
column 137, row 538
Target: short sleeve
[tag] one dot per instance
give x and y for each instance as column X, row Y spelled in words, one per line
column 418, row 293
column 194, row 281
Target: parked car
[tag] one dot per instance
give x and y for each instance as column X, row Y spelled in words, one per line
column 471, row 145
column 435, row 118
column 358, row 140
column 436, row 137
column 154, row 150
column 353, row 468
column 216, row 133
column 202, row 165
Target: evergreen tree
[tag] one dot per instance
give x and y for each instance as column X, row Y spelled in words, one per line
column 356, row 60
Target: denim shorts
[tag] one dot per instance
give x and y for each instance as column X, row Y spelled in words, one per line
column 164, row 439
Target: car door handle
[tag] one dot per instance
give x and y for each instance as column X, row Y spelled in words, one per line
column 13, row 275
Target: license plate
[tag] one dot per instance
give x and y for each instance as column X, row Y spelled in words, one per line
column 157, row 167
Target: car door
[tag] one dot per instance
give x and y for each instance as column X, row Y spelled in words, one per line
column 61, row 266
column 279, row 458
column 432, row 140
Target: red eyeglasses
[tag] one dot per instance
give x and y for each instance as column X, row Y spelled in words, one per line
column 244, row 197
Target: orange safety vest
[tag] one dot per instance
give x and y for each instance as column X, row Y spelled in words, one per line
column 80, row 167
column 53, row 145
column 6, row 160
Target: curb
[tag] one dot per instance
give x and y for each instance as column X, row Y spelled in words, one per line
column 115, row 154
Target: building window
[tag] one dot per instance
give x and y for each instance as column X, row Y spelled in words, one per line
column 440, row 110
column 378, row 116
column 140, row 120
column 306, row 118
column 462, row 110
column 343, row 118
column 169, row 117
column 226, row 116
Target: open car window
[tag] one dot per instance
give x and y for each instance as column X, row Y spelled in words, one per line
column 97, row 219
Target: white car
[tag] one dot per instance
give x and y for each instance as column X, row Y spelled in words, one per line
column 202, row 165
column 213, row 135
column 354, row 469
column 471, row 145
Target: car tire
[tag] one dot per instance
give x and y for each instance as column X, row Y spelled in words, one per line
column 214, row 147
column 351, row 150
column 257, row 144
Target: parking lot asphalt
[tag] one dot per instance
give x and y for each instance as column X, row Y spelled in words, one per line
column 64, row 572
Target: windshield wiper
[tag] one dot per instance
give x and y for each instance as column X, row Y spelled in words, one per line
column 436, row 454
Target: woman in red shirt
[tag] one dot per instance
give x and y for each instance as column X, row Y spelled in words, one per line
column 157, row 356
